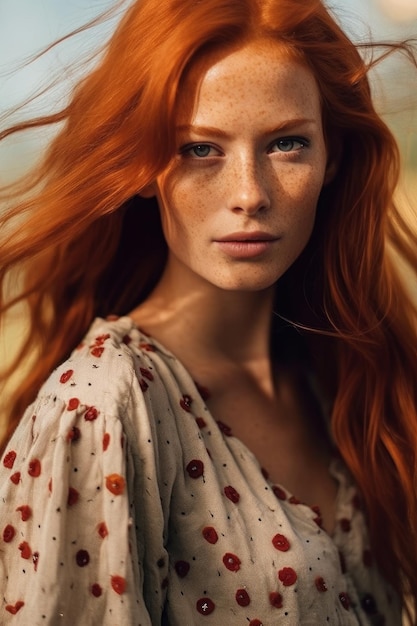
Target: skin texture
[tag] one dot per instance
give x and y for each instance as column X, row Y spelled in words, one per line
column 251, row 158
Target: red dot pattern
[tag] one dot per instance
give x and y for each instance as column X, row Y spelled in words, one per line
column 233, row 543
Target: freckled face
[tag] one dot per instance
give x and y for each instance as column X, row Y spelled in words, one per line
column 238, row 201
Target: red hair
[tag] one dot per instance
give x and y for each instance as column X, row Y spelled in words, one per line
column 88, row 242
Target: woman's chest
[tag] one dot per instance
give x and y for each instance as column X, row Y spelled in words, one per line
column 288, row 438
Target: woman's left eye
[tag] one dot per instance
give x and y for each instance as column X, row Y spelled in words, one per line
column 289, row 144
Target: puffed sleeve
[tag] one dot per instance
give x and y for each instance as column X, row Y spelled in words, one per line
column 67, row 531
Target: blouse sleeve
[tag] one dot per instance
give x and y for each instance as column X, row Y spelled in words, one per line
column 67, row 532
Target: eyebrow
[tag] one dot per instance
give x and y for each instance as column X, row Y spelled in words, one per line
column 217, row 132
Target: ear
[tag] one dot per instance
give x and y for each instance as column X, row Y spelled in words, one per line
column 149, row 191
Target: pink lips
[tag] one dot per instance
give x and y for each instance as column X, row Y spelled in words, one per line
column 250, row 236
column 246, row 245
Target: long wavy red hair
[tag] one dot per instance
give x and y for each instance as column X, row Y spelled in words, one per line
column 86, row 244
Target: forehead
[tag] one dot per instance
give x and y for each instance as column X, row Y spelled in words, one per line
column 260, row 78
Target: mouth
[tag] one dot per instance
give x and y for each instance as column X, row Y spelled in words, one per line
column 246, row 245
column 248, row 237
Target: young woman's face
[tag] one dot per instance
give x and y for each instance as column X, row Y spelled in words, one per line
column 238, row 202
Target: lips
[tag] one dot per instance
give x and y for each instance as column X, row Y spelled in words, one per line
column 248, row 236
column 246, row 245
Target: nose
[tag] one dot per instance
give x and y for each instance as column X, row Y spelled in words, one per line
column 247, row 188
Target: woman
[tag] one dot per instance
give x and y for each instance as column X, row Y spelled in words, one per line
column 239, row 446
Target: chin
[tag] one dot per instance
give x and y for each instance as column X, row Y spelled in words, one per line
column 246, row 284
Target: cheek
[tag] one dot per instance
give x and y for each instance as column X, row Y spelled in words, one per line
column 181, row 217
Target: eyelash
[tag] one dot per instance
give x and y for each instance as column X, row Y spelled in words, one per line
column 187, row 150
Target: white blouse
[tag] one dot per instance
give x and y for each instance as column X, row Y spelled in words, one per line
column 123, row 502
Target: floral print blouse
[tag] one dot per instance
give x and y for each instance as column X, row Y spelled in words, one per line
column 123, row 502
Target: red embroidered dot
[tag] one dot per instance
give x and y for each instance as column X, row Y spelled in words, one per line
column 242, row 597
column 15, row 478
column 185, row 402
column 14, row 608
column 35, row 560
column 182, row 568
column 275, row 599
column 106, row 441
column 205, row 606
column 73, row 434
column 146, row 373
column 91, row 414
column 344, row 600
column 97, row 351
column 280, row 543
column 25, row 512
column 287, row 576
column 73, row 404
column 255, row 622
column 147, row 346
column 115, row 483
column 294, row 500
column 102, row 530
column 231, row 493
column 34, row 468
column 8, row 533
column 231, row 562
column 210, row 534
column 226, row 430
column 320, row 584
column 82, row 558
column 126, row 339
column 195, row 468
column 73, row 496
column 9, row 459
column 143, row 385
column 118, row 584
column 96, row 590
column 345, row 525
column 25, row 551
column 101, row 339
column 66, row 376
column 279, row 492
column 200, row 422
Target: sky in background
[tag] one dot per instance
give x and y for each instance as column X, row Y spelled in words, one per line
column 28, row 26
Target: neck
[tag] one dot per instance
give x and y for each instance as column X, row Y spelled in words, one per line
column 231, row 326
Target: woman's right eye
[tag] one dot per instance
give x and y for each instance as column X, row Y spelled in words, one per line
column 200, row 151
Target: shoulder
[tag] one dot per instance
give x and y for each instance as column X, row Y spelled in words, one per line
column 100, row 370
